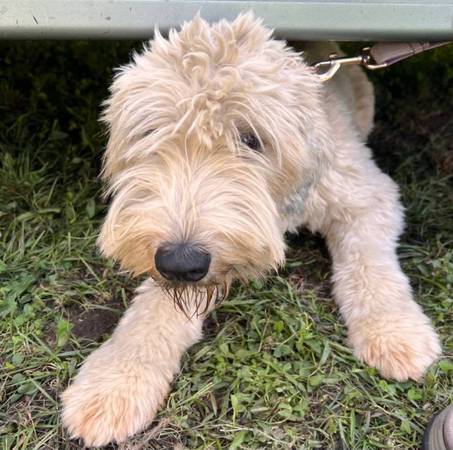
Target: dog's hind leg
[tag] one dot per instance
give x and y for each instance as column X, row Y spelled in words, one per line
column 362, row 220
column 120, row 387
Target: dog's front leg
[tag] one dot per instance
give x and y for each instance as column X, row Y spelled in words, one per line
column 121, row 385
column 386, row 327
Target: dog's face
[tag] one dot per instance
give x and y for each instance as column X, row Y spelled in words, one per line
column 212, row 133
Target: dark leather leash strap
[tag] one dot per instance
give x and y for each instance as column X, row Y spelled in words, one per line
column 378, row 56
column 389, row 53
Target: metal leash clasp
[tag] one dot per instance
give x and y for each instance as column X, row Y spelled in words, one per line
column 334, row 63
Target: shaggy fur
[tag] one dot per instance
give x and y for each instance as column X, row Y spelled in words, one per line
column 178, row 171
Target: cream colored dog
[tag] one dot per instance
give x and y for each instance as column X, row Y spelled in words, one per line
column 221, row 140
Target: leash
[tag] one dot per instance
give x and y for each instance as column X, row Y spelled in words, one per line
column 379, row 56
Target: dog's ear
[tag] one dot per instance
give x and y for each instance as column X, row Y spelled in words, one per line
column 249, row 31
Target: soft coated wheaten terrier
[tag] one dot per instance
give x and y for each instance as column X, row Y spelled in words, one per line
column 221, row 140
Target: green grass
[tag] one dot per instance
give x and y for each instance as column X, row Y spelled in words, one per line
column 273, row 371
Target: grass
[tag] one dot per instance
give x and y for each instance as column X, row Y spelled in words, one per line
column 273, row 371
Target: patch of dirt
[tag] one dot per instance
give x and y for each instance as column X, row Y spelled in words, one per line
column 87, row 324
column 93, row 324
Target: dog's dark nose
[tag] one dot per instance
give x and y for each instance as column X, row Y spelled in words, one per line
column 182, row 262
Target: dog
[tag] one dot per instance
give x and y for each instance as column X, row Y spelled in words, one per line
column 221, row 140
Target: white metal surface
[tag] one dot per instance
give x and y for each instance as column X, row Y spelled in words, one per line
column 293, row 19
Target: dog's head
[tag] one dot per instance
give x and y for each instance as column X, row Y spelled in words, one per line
column 213, row 133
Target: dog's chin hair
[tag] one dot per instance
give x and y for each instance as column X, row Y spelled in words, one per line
column 193, row 300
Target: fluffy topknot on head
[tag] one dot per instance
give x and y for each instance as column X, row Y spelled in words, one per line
column 218, row 44
column 203, row 82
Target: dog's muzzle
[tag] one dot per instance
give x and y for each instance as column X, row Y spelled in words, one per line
column 182, row 262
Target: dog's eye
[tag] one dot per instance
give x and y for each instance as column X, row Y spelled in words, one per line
column 251, row 141
column 145, row 134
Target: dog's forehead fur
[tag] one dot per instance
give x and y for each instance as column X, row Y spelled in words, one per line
column 209, row 83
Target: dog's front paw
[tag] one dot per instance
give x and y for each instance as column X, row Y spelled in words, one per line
column 109, row 405
column 401, row 346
